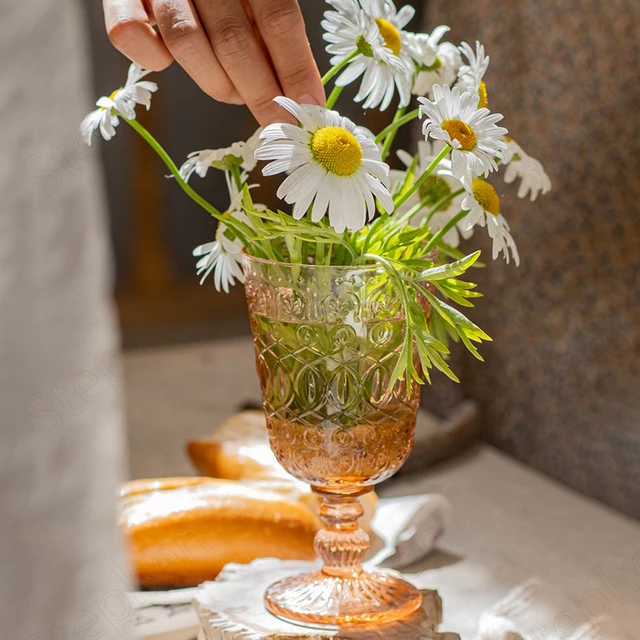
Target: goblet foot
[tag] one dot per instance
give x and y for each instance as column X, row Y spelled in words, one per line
column 321, row 600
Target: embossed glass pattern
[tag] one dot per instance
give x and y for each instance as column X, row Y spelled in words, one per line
column 327, row 340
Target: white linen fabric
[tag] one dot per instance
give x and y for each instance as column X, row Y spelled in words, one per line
column 61, row 571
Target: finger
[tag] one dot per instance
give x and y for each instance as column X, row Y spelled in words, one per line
column 281, row 25
column 239, row 53
column 188, row 43
column 129, row 29
column 249, row 11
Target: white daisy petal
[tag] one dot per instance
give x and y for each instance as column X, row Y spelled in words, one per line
column 404, row 16
column 321, row 202
column 99, row 119
column 381, row 192
column 334, row 167
column 223, row 256
column 470, row 75
column 438, row 63
column 483, row 204
column 308, row 191
column 239, row 154
column 534, row 180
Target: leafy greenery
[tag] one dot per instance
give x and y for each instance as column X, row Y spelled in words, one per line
column 415, row 259
column 416, row 278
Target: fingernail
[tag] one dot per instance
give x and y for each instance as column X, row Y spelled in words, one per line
column 307, row 98
column 235, row 98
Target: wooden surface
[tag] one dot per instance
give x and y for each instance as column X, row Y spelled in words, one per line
column 231, row 608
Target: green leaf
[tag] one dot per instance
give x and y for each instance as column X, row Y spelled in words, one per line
column 450, row 270
column 401, row 365
column 453, row 294
column 470, row 329
column 462, row 284
column 466, row 330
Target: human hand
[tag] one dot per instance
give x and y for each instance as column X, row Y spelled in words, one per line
column 237, row 51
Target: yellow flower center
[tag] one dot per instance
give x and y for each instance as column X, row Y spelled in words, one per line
column 486, row 196
column 516, row 156
column 461, row 132
column 337, row 150
column 390, row 35
column 483, row 98
column 111, row 97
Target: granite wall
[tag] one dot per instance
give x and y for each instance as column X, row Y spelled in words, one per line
column 561, row 385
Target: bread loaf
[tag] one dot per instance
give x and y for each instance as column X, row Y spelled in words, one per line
column 182, row 531
column 240, row 450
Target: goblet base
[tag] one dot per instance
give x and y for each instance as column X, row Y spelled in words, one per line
column 321, row 600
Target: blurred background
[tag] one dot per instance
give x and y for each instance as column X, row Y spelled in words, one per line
column 561, row 386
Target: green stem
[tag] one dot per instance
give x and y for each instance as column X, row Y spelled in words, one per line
column 396, row 124
column 235, row 173
column 401, row 289
column 294, row 248
column 333, row 97
column 442, row 232
column 339, row 67
column 241, row 230
column 328, row 257
column 386, row 148
column 436, row 207
column 427, row 172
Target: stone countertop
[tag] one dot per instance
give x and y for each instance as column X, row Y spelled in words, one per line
column 510, row 522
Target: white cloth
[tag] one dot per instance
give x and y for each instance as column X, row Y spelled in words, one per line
column 61, row 572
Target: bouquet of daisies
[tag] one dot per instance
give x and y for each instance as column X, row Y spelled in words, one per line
column 346, row 206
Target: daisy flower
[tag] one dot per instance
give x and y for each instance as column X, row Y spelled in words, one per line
column 239, row 154
column 483, row 204
column 439, row 185
column 437, row 63
column 223, row 256
column 470, row 76
column 386, row 10
column 332, row 164
column 122, row 101
column 382, row 59
column 471, row 132
column 521, row 165
column 391, row 23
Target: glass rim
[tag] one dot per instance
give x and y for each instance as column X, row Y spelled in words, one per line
column 337, row 267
